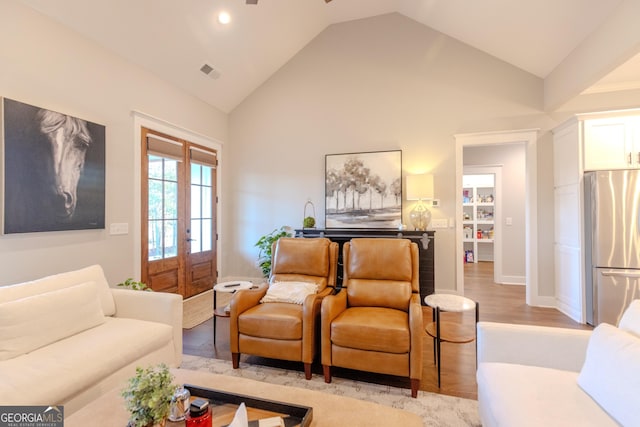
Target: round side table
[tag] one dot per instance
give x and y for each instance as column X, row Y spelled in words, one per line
column 226, row 287
column 448, row 331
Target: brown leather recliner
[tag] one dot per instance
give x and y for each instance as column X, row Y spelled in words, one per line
column 282, row 330
column 375, row 324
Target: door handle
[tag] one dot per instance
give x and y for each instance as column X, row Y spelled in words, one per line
column 191, row 240
column 621, row 274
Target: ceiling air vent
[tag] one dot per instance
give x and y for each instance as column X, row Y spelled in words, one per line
column 210, row 71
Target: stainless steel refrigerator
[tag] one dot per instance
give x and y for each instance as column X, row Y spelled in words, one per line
column 612, row 243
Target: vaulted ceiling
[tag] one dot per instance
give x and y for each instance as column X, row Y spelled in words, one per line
column 175, row 38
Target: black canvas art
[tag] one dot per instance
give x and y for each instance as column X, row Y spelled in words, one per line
column 54, row 170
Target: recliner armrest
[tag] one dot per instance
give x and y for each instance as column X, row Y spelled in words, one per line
column 416, row 329
column 548, row 347
column 332, row 306
column 243, row 300
column 240, row 302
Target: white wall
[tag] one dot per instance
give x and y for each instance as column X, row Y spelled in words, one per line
column 379, row 83
column 512, row 158
column 47, row 65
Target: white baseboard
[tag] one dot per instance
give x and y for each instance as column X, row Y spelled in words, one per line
column 573, row 312
column 542, row 301
column 512, row 280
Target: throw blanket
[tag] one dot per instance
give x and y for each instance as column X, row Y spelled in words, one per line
column 291, row 292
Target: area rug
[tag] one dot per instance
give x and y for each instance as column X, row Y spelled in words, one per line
column 198, row 309
column 435, row 409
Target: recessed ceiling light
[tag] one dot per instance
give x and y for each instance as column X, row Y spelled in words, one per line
column 224, row 18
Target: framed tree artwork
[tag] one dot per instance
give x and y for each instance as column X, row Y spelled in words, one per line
column 363, row 190
column 53, row 170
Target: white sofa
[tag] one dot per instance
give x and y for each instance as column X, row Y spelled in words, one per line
column 542, row 376
column 68, row 338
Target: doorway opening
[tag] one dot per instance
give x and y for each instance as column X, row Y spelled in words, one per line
column 202, row 145
column 482, row 220
column 179, row 207
column 528, row 138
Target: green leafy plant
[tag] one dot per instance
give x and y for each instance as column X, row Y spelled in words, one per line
column 265, row 244
column 148, row 395
column 136, row 286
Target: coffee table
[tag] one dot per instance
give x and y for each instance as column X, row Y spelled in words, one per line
column 328, row 410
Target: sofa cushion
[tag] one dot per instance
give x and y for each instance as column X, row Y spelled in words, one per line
column 523, row 396
column 611, row 373
column 274, row 320
column 29, row 323
column 57, row 372
column 372, row 328
column 630, row 320
column 93, row 273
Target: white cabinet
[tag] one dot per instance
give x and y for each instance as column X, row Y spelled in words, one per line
column 568, row 233
column 611, row 143
column 478, row 210
column 598, row 141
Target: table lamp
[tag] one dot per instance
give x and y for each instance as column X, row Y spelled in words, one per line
column 420, row 188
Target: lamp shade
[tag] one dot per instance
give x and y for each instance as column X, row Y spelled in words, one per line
column 420, row 187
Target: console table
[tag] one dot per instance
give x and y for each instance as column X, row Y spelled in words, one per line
column 424, row 239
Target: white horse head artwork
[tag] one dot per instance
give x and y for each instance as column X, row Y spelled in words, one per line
column 69, row 139
column 54, row 170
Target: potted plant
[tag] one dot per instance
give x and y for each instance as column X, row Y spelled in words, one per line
column 265, row 243
column 309, row 221
column 135, row 285
column 148, row 396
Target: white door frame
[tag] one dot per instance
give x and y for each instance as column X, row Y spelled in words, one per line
column 530, row 138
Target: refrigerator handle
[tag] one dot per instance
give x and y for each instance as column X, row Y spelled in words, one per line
column 613, row 273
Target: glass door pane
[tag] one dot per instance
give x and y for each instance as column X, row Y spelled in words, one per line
column 162, row 208
column 201, row 208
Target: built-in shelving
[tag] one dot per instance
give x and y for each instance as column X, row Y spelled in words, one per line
column 478, row 209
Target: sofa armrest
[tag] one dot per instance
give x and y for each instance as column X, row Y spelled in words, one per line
column 159, row 307
column 557, row 348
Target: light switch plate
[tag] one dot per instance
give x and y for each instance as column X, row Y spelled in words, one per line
column 119, row 228
column 439, row 223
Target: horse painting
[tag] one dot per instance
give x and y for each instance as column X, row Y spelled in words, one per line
column 54, row 170
column 69, row 139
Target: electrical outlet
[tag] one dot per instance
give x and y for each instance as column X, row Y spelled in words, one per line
column 439, row 223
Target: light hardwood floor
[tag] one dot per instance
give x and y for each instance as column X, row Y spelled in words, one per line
column 498, row 303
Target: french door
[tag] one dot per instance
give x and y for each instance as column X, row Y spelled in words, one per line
column 178, row 215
